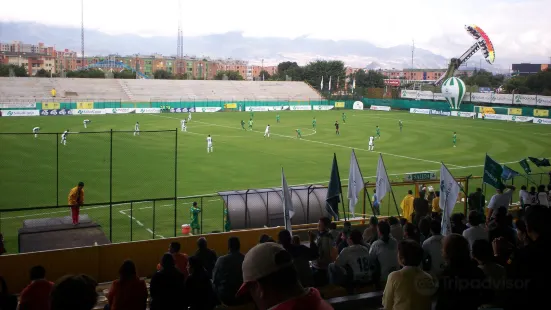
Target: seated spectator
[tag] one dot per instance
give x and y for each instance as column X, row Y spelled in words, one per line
column 476, row 231
column 265, row 238
column 403, row 288
column 424, row 229
column 37, row 294
column 206, row 256
column 7, row 300
column 420, row 207
column 458, row 224
column 227, row 274
column 396, row 229
column 522, row 234
column 272, row 281
column 324, row 242
column 495, row 274
column 411, row 232
column 302, row 255
column 384, row 253
column 296, row 240
column 199, row 294
column 74, row 293
column 371, row 234
column 342, row 241
column 403, row 221
column 460, row 285
column 2, row 246
column 128, row 292
column 433, row 261
column 502, row 228
column 180, row 259
column 353, row 264
column 167, row 286
column 333, row 231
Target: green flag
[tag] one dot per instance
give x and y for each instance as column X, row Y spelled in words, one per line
column 525, row 165
column 492, row 173
column 334, row 191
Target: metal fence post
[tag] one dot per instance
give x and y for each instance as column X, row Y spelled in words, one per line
column 268, row 210
column 131, row 221
column 56, row 169
column 246, row 207
column 154, row 219
column 224, row 215
column 308, row 204
column 111, row 187
column 201, row 227
column 175, row 180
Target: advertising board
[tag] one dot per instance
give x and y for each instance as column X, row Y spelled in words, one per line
column 301, row 108
column 207, row 109
column 544, row 121
column 148, row 110
column 358, row 105
column 120, row 111
column 8, row 113
column 419, row 111
column 57, row 112
column 379, row 108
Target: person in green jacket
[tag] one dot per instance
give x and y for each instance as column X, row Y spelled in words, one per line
column 343, row 118
column 243, row 124
column 251, row 124
column 299, row 134
column 194, row 214
column 277, row 118
column 314, row 124
column 227, row 223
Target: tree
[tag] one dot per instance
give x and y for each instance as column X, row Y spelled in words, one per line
column 330, row 70
column 162, row 75
column 88, row 73
column 42, row 73
column 264, row 75
column 365, row 80
column 125, row 74
column 286, row 65
column 18, row 71
column 230, row 75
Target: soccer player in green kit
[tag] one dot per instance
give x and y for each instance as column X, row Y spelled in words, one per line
column 194, row 214
column 378, row 132
column 243, row 124
column 227, row 223
column 299, row 134
column 400, row 124
column 251, row 124
column 454, row 139
column 314, row 124
column 252, row 114
column 343, row 118
column 277, row 117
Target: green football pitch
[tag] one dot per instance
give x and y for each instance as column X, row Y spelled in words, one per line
column 40, row 171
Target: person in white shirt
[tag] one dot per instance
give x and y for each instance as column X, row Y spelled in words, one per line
column 35, row 131
column 189, row 116
column 500, row 199
column 543, row 196
column 371, row 143
column 267, row 131
column 524, row 197
column 209, row 144
column 353, row 264
column 64, row 137
column 137, row 129
column 476, row 231
column 85, row 122
column 433, row 262
column 183, row 125
column 384, row 252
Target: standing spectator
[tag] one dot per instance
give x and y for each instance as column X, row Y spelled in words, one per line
column 524, row 197
column 342, row 239
column 495, row 274
column 522, row 234
column 74, row 293
column 302, row 255
column 324, row 242
column 431, row 195
column 167, row 286
column 227, row 275
column 533, row 196
column 376, row 203
column 53, row 92
column 7, row 301
column 543, row 196
column 199, row 294
column 477, row 201
column 502, row 228
column 128, row 292
column 396, row 229
column 500, row 199
column 421, row 208
column 2, row 246
column 407, row 206
column 458, row 224
column 36, row 296
column 334, row 232
column 424, row 229
column 476, row 231
column 180, row 259
column 371, row 233
column 411, row 232
column 76, row 200
column 461, row 281
column 402, row 290
column 272, row 281
column 436, row 204
column 432, row 247
column 353, row 264
column 206, row 256
column 296, row 240
column 384, row 252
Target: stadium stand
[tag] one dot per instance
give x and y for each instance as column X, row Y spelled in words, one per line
column 145, row 90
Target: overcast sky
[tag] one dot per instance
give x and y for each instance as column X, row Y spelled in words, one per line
column 518, row 28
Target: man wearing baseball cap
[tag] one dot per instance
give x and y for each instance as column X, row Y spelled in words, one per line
column 271, row 280
column 76, row 200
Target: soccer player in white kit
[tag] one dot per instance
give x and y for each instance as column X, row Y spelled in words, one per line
column 35, row 131
column 183, row 124
column 64, row 137
column 85, row 122
column 137, row 128
column 209, row 144
column 267, row 131
column 371, row 143
column 189, row 116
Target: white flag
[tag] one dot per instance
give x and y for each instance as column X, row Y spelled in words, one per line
column 449, row 190
column 329, row 83
column 383, row 185
column 321, row 85
column 288, row 210
column 355, row 183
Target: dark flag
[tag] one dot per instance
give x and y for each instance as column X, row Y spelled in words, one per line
column 332, row 199
column 544, row 162
column 525, row 165
column 492, row 173
column 508, row 173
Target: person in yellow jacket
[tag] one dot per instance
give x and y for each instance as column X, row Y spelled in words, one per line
column 76, row 199
column 407, row 206
column 436, row 204
column 53, row 92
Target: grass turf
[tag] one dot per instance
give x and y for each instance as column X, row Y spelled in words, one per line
column 144, row 167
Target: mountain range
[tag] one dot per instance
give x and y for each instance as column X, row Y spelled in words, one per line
column 358, row 54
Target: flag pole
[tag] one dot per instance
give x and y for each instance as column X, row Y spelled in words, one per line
column 371, row 204
column 391, row 190
column 340, row 188
column 364, row 204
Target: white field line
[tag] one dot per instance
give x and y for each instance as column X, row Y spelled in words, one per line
column 140, row 224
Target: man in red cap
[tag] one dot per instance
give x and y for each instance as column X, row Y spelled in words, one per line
column 271, row 280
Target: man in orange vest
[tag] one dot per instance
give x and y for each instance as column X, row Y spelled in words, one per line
column 76, row 199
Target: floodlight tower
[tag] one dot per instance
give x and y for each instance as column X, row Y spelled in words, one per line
column 180, row 47
column 82, row 34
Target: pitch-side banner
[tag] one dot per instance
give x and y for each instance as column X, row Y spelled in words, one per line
column 120, row 111
column 20, row 113
column 499, row 117
column 358, row 105
column 88, row 111
column 148, row 111
column 440, row 112
column 440, row 97
column 322, row 107
column 521, row 119
column 300, row 108
column 379, row 108
column 57, row 112
column 502, row 98
column 419, row 111
column 524, row 99
column 17, row 105
column 463, row 114
column 481, row 97
column 207, row 109
column 180, row 110
column 544, row 121
column 267, row 108
column 417, row 94
column 544, row 101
